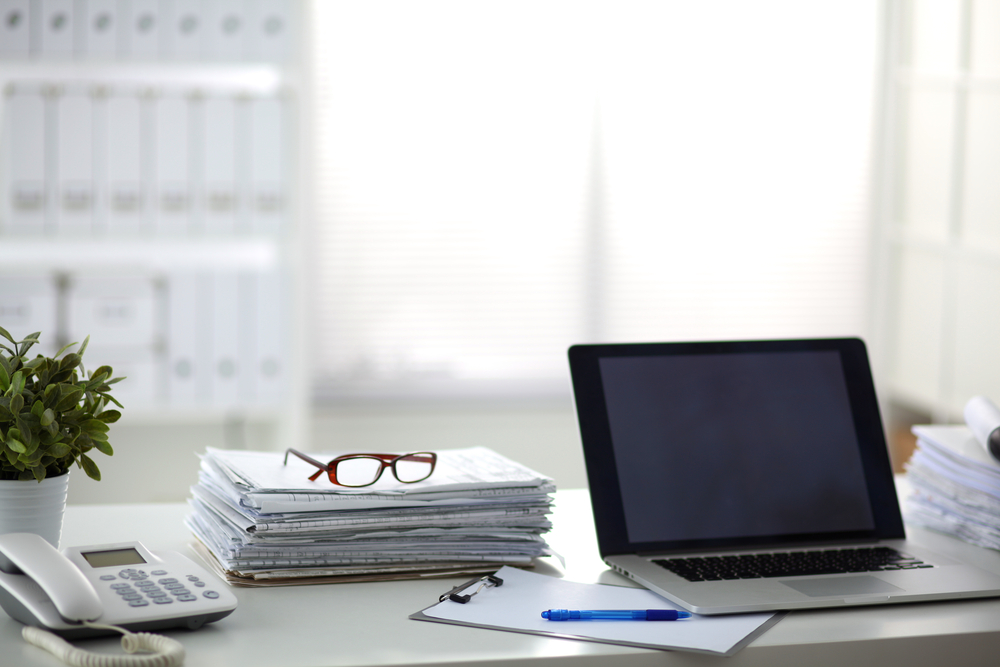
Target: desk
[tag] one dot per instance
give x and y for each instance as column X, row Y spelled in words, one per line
column 367, row 625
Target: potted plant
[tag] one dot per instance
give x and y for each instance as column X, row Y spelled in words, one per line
column 52, row 413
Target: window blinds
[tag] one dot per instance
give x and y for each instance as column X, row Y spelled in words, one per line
column 495, row 181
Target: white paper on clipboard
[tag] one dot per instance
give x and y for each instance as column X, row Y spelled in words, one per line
column 517, row 605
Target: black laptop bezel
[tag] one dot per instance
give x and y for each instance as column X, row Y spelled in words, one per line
column 599, row 457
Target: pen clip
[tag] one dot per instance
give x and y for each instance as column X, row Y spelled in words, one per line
column 489, row 581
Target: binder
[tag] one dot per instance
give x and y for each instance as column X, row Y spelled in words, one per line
column 188, row 316
column 173, row 164
column 271, row 352
column 26, row 196
column 269, row 34
column 268, row 164
column 218, row 187
column 74, row 168
column 99, row 29
column 125, row 171
column 227, row 373
column 226, row 30
column 142, row 30
column 184, row 29
column 15, row 29
column 55, row 29
column 116, row 311
column 29, row 303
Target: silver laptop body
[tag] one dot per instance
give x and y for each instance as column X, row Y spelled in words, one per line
column 738, row 448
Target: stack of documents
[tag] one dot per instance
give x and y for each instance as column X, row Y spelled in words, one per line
column 956, row 485
column 260, row 521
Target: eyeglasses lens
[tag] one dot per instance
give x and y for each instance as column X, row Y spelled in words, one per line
column 359, row 471
column 414, row 468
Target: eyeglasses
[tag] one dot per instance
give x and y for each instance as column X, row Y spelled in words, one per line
column 355, row 470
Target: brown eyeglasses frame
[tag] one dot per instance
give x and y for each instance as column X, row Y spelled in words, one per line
column 387, row 461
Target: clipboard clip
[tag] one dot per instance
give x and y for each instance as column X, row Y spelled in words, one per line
column 489, row 581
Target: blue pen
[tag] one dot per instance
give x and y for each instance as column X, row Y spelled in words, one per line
column 615, row 614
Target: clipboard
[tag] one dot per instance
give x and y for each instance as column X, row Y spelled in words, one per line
column 517, row 604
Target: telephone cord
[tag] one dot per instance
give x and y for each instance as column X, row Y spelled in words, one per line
column 164, row 651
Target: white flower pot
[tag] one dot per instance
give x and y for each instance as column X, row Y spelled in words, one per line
column 34, row 507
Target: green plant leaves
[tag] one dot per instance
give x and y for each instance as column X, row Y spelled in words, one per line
column 109, row 416
column 90, row 467
column 52, row 413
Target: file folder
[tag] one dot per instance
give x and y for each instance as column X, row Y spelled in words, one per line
column 27, row 194
column 188, row 318
column 99, row 29
column 15, row 29
column 218, row 187
column 173, row 164
column 184, row 29
column 226, row 30
column 268, row 164
column 55, row 29
column 29, row 303
column 226, row 346
column 74, row 167
column 116, row 311
column 272, row 352
column 142, row 30
column 125, row 173
column 269, row 30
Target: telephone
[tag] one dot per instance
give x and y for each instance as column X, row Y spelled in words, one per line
column 121, row 584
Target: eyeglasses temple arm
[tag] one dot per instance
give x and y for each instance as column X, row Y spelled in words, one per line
column 308, row 459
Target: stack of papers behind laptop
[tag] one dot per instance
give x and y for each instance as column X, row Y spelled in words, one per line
column 262, row 522
column 956, row 485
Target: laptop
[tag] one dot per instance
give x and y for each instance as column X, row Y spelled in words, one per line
column 749, row 476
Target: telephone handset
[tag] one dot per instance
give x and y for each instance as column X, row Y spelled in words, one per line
column 101, row 589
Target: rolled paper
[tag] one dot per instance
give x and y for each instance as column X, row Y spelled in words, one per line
column 983, row 418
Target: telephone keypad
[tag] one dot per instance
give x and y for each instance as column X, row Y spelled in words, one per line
column 163, row 590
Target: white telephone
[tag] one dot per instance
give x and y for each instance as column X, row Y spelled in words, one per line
column 86, row 591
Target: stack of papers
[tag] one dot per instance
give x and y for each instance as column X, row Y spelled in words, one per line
column 956, row 485
column 260, row 521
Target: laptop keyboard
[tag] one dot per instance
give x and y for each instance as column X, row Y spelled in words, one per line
column 791, row 564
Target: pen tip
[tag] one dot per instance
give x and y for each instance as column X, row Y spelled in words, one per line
column 683, row 614
column 545, row 614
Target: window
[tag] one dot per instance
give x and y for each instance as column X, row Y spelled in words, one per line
column 495, row 181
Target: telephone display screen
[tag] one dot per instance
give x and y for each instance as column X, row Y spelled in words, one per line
column 114, row 558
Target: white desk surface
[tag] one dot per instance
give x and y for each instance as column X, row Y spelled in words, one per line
column 366, row 624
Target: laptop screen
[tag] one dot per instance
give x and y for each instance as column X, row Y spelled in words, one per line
column 731, row 444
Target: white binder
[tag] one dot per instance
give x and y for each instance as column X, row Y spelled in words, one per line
column 271, row 349
column 15, row 29
column 218, row 186
column 28, row 304
column 226, row 30
column 227, row 356
column 267, row 191
column 117, row 311
column 26, row 196
column 184, row 29
column 142, row 30
column 125, row 172
column 99, row 29
column 173, row 203
column 188, row 318
column 74, row 166
column 56, row 28
column 269, row 29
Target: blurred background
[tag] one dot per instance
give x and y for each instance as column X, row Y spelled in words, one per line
column 378, row 224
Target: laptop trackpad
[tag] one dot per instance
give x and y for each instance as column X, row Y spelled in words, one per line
column 827, row 586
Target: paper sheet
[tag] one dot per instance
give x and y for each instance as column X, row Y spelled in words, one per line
column 517, row 606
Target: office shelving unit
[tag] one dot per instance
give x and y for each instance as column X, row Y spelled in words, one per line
column 147, row 199
column 938, row 237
